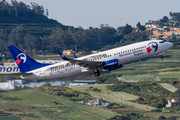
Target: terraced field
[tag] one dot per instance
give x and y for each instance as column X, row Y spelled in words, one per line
column 168, row 87
column 34, row 104
column 118, row 97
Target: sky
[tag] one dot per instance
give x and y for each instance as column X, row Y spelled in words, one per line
column 115, row 13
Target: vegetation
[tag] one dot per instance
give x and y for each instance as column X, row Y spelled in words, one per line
column 37, row 104
column 94, row 89
column 175, row 16
column 19, row 12
column 114, row 105
column 28, row 27
column 67, row 92
column 117, row 117
column 152, row 100
column 119, row 97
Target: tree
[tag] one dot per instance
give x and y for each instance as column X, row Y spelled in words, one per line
column 175, row 16
column 16, row 37
column 120, row 29
column 127, row 29
column 140, row 27
column 31, row 43
column 161, row 118
column 165, row 19
column 47, row 13
column 117, row 117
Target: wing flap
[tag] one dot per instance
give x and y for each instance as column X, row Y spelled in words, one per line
column 84, row 63
column 24, row 74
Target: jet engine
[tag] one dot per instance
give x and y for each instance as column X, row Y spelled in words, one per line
column 112, row 64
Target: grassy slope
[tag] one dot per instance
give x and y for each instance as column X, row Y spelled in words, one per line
column 35, row 101
column 9, row 117
column 153, row 68
column 118, row 97
column 168, row 87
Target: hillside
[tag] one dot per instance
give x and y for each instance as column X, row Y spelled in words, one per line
column 19, row 12
column 34, row 17
column 29, row 28
column 34, row 104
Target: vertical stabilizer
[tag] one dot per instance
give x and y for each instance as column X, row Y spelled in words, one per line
column 24, row 62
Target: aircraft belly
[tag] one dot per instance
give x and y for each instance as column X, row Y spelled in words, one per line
column 63, row 73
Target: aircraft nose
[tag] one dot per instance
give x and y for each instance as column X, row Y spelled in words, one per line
column 169, row 44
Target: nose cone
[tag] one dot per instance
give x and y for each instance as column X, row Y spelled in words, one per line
column 169, row 44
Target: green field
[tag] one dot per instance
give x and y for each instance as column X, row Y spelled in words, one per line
column 36, row 104
column 168, row 87
column 9, row 117
column 118, row 97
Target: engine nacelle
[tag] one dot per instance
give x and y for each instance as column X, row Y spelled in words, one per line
column 112, row 64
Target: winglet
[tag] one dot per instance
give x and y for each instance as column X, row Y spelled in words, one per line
column 62, row 55
column 75, row 56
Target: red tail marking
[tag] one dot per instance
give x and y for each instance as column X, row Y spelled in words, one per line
column 18, row 61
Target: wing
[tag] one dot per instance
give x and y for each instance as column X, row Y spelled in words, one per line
column 24, row 74
column 88, row 64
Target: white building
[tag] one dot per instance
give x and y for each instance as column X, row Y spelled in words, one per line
column 151, row 26
column 7, row 86
column 12, row 84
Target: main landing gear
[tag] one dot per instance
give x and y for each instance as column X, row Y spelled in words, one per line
column 96, row 72
column 162, row 57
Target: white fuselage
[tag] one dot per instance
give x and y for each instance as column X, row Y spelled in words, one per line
column 124, row 54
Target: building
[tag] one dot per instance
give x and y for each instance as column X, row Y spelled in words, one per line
column 85, row 81
column 172, row 102
column 9, row 64
column 68, row 52
column 7, row 86
column 157, row 32
column 49, row 61
column 97, row 102
column 151, row 26
column 81, row 53
column 12, row 84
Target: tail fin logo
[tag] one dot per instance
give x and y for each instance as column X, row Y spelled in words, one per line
column 21, row 57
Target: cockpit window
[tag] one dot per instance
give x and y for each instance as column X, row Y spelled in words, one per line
column 162, row 41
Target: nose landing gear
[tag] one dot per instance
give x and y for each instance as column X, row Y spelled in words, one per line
column 160, row 55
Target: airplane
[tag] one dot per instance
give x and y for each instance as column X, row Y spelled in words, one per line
column 107, row 60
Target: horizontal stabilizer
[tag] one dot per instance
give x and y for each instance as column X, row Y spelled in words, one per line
column 75, row 56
